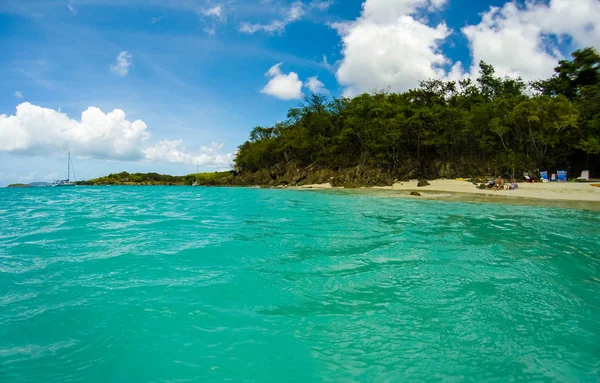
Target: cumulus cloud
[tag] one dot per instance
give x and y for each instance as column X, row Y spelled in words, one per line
column 388, row 47
column 294, row 13
column 392, row 46
column 575, row 19
column 174, row 151
column 281, row 85
column 121, row 67
column 18, row 94
column 518, row 41
column 315, row 86
column 35, row 130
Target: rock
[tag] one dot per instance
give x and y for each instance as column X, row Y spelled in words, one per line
column 416, row 194
column 422, row 183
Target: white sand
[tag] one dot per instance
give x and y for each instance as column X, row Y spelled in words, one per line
column 555, row 191
column 317, row 186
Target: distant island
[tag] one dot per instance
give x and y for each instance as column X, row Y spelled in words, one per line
column 30, row 185
column 125, row 178
column 225, row 178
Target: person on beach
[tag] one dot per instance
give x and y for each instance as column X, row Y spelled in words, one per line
column 513, row 185
column 499, row 183
column 490, row 184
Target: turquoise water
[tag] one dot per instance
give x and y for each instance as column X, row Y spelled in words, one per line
column 178, row 284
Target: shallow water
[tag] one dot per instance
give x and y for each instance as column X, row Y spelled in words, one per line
column 177, row 284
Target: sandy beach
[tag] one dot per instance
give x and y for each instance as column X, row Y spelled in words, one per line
column 572, row 191
column 555, row 191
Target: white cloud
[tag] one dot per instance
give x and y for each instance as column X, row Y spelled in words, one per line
column 517, row 40
column 294, row 13
column 122, row 65
column 217, row 15
column 389, row 11
column 174, row 151
column 35, row 130
column 281, row 85
column 387, row 47
column 18, row 94
column 502, row 31
column 72, row 9
column 216, row 12
column 315, row 86
column 435, row 5
column 156, row 20
column 275, row 26
column 392, row 46
column 577, row 19
column 321, row 5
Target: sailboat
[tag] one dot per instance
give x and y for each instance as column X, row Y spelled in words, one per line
column 196, row 182
column 66, row 182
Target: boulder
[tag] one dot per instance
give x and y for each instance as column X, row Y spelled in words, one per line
column 422, row 183
column 416, row 194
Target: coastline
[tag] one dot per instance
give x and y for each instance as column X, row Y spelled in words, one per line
column 572, row 195
column 565, row 195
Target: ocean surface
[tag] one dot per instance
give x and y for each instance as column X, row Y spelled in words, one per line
column 182, row 284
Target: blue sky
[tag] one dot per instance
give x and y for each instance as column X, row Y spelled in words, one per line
column 200, row 74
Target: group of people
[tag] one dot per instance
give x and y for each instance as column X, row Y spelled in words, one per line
column 499, row 184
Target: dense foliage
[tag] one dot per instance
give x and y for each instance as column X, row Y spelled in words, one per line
column 489, row 126
column 124, row 178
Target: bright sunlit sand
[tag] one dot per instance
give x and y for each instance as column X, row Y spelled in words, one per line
column 566, row 191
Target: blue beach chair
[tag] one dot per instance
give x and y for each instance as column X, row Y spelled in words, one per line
column 544, row 175
column 562, row 175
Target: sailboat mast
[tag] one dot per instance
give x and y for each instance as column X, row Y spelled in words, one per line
column 69, row 167
column 196, row 172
